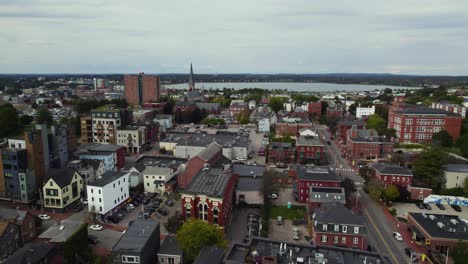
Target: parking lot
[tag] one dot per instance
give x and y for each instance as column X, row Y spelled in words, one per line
column 237, row 229
column 404, row 208
column 284, row 232
column 285, row 195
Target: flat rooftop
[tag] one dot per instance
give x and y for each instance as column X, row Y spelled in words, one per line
column 202, row 139
column 315, row 173
column 442, row 226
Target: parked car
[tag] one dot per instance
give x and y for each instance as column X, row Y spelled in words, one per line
column 427, row 206
column 147, row 200
column 441, row 206
column 78, row 208
column 144, row 215
column 162, row 211
column 169, row 202
column 279, row 220
column 273, row 196
column 44, row 216
column 114, row 219
column 397, row 236
column 296, row 233
column 456, row 207
column 96, row 227
column 420, row 205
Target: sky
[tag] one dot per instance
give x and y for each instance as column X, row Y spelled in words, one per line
column 240, row 36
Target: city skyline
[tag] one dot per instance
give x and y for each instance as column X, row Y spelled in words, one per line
column 50, row 36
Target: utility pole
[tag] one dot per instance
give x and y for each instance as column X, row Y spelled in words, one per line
column 446, row 258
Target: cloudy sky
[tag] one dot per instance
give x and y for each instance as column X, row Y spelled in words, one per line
column 218, row 36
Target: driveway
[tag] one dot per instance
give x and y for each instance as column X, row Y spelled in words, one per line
column 285, row 195
column 284, row 232
column 255, row 144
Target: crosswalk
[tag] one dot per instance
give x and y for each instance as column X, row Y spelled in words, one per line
column 342, row 169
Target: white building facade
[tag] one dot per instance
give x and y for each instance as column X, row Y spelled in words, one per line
column 132, row 138
column 364, row 111
column 108, row 192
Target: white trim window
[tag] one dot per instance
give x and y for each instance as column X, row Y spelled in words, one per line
column 355, row 240
column 345, row 229
column 324, row 238
column 335, row 239
column 130, row 259
column 324, row 227
column 337, row 228
column 356, row 230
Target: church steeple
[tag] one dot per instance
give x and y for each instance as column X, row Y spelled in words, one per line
column 191, row 80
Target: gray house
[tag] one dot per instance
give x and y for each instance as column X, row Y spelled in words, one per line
column 10, row 239
column 170, row 252
column 139, row 244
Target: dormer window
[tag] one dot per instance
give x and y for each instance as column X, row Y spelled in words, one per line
column 345, row 229
column 337, row 228
column 324, row 227
column 356, row 230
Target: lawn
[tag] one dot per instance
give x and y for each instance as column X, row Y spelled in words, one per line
column 296, row 212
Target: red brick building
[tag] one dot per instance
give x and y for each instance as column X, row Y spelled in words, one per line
column 280, row 153
column 419, row 192
column 343, row 126
column 366, row 144
column 309, row 150
column 418, row 123
column 307, row 176
column 299, row 113
column 453, row 108
column 210, row 196
column 335, row 225
column 238, row 107
column 291, row 125
column 314, row 109
column 335, row 112
column 205, row 159
column 391, row 174
column 141, row 88
column 321, row 195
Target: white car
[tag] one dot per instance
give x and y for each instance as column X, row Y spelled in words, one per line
column 130, row 206
column 241, row 159
column 44, row 216
column 397, row 236
column 96, row 227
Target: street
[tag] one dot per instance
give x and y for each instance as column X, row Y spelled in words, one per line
column 379, row 227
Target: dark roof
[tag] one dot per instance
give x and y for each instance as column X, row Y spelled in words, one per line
column 315, row 173
column 332, row 214
column 327, row 194
column 170, row 162
column 92, row 162
column 391, row 169
column 421, row 110
column 170, row 247
column 248, row 170
column 208, row 106
column 137, row 235
column 31, row 253
column 212, row 182
column 280, row 145
column 351, row 122
column 249, row 184
column 447, row 229
column 62, row 177
column 202, row 140
column 308, row 141
column 194, row 94
column 462, row 168
column 12, row 214
column 95, row 147
column 209, row 152
column 210, row 255
column 107, row 178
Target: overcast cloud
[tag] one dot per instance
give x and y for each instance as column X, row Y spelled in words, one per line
column 258, row 36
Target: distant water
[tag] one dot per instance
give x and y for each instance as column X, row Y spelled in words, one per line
column 297, row 87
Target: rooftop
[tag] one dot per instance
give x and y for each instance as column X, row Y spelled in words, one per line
column 12, row 215
column 30, row 253
column 308, row 141
column 315, row 173
column 210, row 151
column 391, row 169
column 170, row 247
column 201, row 139
column 293, row 120
column 137, row 235
column 442, row 226
column 249, row 170
column 165, row 162
column 337, row 213
column 107, row 178
column 249, row 184
column 210, row 255
column 280, row 145
column 59, row 233
column 462, row 168
column 107, row 108
column 421, row 110
column 210, row 182
column 96, row 147
column 62, row 177
column 259, row 248
column 327, row 195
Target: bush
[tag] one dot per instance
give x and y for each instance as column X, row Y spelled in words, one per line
column 393, row 211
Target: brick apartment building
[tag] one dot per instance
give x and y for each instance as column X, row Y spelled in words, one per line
column 418, row 123
column 309, row 149
column 335, row 111
column 335, row 225
column 238, row 107
column 391, row 174
column 210, row 196
column 366, row 144
column 280, row 153
column 307, row 176
column 314, row 109
column 343, row 126
column 291, row 125
column 141, row 88
column 452, row 108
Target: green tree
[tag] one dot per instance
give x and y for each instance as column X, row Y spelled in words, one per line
column 9, row 121
column 462, row 144
column 376, row 122
column 442, row 139
column 43, row 116
column 243, row 117
column 459, row 253
column 428, row 167
column 213, row 121
column 324, row 107
column 391, row 193
column 389, row 133
column 196, row 234
column 276, row 103
column 174, row 223
column 25, row 120
column 375, row 189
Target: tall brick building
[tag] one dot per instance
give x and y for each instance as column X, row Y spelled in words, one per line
column 141, row 88
column 366, row 144
column 306, row 176
column 314, row 109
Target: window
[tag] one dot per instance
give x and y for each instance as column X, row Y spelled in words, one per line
column 100, row 208
column 100, row 200
column 170, row 260
column 337, row 228
column 188, row 211
column 343, row 240
column 130, row 259
column 335, row 239
column 324, row 238
column 356, row 230
column 355, row 240
column 345, row 229
column 215, row 215
column 203, row 212
column 324, row 227
column 99, row 191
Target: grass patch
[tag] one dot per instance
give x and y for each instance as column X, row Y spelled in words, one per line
column 296, row 212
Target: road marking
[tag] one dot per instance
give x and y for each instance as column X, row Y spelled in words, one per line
column 381, row 237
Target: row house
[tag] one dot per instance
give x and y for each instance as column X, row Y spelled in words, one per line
column 113, row 156
column 323, row 195
column 210, row 196
column 314, row 109
column 391, row 174
column 453, row 108
column 89, row 169
column 362, row 112
column 62, row 190
column 291, row 125
column 418, row 123
column 336, row 111
column 280, row 153
column 336, row 225
column 299, row 113
column 343, row 126
column 307, row 176
column 309, row 149
column 367, row 144
column 25, row 220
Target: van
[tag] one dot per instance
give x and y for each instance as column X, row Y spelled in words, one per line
column 296, row 235
column 279, row 220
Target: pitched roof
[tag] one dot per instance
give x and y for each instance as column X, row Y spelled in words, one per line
column 337, row 213
column 137, row 235
column 210, row 255
column 212, row 182
column 462, row 168
column 210, row 151
column 308, row 141
column 391, row 169
column 13, row 214
column 62, row 177
column 107, row 178
column 30, row 253
column 170, row 247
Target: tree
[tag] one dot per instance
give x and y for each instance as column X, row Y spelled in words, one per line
column 389, row 133
column 213, row 121
column 442, row 139
column 376, row 122
column 243, row 117
column 391, row 193
column 276, row 103
column 168, row 107
column 375, row 189
column 174, row 223
column 324, row 107
column 25, row 120
column 43, row 116
column 196, row 234
column 459, row 253
column 428, row 168
column 462, row 144
column 9, row 121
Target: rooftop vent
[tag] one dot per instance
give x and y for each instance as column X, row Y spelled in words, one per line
column 453, row 221
column 432, row 217
column 440, row 225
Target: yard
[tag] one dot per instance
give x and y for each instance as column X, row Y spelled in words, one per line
column 296, row 212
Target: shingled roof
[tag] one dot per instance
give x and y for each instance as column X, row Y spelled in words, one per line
column 212, row 182
column 62, row 177
column 391, row 169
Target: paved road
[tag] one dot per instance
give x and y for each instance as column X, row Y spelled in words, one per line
column 378, row 225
